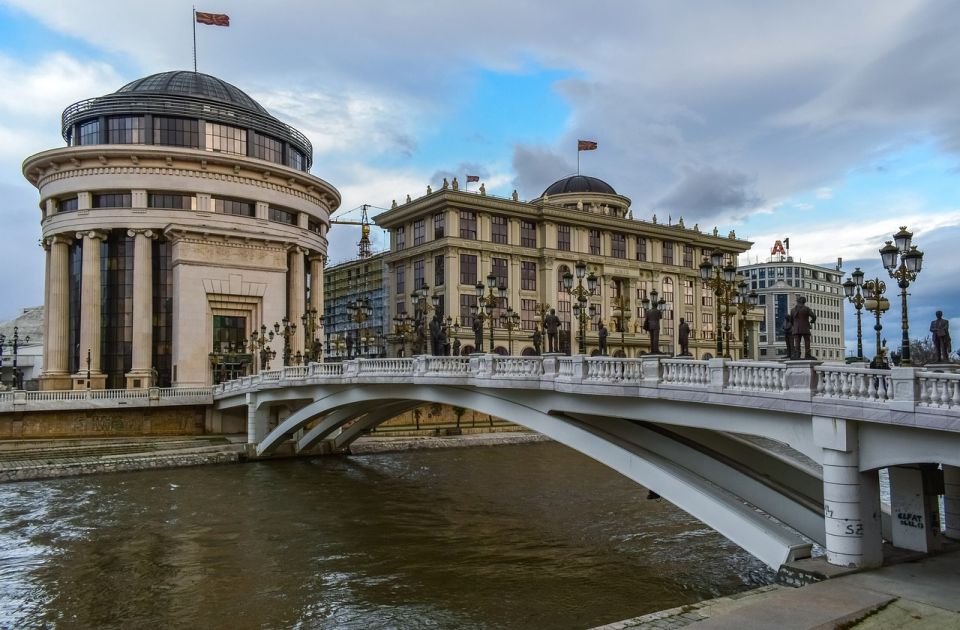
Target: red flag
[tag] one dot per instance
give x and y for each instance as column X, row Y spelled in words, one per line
column 586, row 145
column 473, row 178
column 213, row 19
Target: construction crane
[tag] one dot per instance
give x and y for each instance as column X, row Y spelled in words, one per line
column 365, row 249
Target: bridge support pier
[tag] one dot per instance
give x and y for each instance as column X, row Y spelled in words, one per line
column 851, row 499
column 951, row 501
column 257, row 420
column 914, row 507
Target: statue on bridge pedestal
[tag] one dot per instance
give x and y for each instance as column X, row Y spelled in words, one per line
column 803, row 318
column 551, row 323
column 477, row 334
column 683, row 337
column 437, row 338
column 651, row 324
column 537, row 341
column 940, row 330
column 602, row 339
column 788, row 334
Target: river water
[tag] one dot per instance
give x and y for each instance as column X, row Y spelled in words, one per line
column 525, row 536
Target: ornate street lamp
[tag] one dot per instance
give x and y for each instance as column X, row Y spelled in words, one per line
column 259, row 346
column 851, row 289
column 487, row 300
column 743, row 302
column 582, row 296
column 312, row 322
column 874, row 302
column 655, row 301
column 904, row 272
column 511, row 321
column 402, row 331
column 621, row 310
column 451, row 329
column 723, row 280
column 289, row 330
column 358, row 311
column 14, row 344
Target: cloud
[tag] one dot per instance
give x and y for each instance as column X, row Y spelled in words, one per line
column 705, row 192
column 537, row 168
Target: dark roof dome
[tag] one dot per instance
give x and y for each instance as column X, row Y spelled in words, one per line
column 184, row 82
column 579, row 184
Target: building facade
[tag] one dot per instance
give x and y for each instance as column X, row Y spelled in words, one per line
column 449, row 240
column 779, row 282
column 356, row 310
column 179, row 217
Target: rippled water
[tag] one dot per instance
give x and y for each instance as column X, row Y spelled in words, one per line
column 527, row 536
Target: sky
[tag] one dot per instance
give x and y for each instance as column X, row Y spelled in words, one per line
column 831, row 123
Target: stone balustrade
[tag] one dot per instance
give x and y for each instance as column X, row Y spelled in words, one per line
column 105, row 398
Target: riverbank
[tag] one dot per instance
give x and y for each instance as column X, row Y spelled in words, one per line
column 923, row 593
column 51, row 459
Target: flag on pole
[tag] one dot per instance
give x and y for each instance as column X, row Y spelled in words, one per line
column 213, row 19
column 586, row 145
column 473, row 178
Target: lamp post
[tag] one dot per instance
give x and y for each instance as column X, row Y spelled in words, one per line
column 289, row 330
column 874, row 302
column 421, row 308
column 904, row 272
column 359, row 311
column 487, row 301
column 88, row 368
column 721, row 278
column 851, row 289
column 259, row 346
column 510, row 320
column 403, row 331
column 743, row 302
column 621, row 310
column 312, row 322
column 15, row 346
column 450, row 329
column 582, row 295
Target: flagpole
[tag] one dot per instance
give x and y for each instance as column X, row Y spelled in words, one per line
column 578, row 157
column 194, row 39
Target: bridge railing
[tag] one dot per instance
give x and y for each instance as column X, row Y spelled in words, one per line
column 939, row 390
column 690, row 373
column 446, row 366
column 854, row 383
column 757, row 376
column 20, row 400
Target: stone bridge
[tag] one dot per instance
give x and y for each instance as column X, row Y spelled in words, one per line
column 775, row 456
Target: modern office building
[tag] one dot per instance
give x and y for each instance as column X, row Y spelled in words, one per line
column 356, row 310
column 449, row 240
column 179, row 217
column 779, row 281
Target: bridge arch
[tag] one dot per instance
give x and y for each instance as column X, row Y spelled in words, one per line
column 661, row 469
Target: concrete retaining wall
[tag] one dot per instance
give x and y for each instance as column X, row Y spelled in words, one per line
column 133, row 422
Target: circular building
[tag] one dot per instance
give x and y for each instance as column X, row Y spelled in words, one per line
column 180, row 217
column 583, row 191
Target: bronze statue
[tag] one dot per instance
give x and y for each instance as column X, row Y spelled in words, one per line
column 602, row 336
column 456, row 347
column 651, row 324
column 803, row 318
column 552, row 324
column 788, row 334
column 537, row 340
column 437, row 338
column 940, row 329
column 683, row 337
column 477, row 334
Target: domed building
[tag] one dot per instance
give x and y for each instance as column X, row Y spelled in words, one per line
column 179, row 217
column 580, row 231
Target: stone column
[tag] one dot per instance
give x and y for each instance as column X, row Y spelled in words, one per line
column 951, row 500
column 56, row 368
column 316, row 296
column 851, row 499
column 90, row 307
column 296, row 296
column 141, row 373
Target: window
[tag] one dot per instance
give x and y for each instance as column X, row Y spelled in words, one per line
column 283, row 216
column 438, row 225
column 468, row 308
column 528, row 276
column 595, row 241
column 90, row 132
column 528, row 234
column 225, row 139
column 401, row 277
column 401, row 234
column 125, row 130
column 468, row 224
column 668, row 252
column 468, row 269
column 641, row 249
column 70, row 204
column 419, row 232
column 561, row 270
column 438, row 271
column 706, row 296
column 267, row 148
column 295, row 159
column 315, row 226
column 500, row 270
column 563, row 238
column 418, row 274
column 688, row 256
column 233, row 206
column 111, row 200
column 667, row 297
column 688, row 292
column 706, row 327
column 174, row 201
column 618, row 245
column 498, row 229
column 116, row 321
column 528, row 310
column 176, row 132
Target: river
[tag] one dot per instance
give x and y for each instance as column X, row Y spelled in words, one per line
column 525, row 536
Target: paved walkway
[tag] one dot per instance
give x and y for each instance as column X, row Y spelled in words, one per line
column 920, row 594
